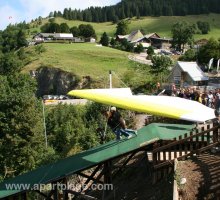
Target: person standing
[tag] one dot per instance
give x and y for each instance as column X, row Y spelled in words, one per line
column 117, row 124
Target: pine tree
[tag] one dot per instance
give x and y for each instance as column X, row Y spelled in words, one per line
column 104, row 39
column 122, row 27
column 66, row 13
column 137, row 13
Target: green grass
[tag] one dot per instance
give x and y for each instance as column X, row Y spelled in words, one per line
column 161, row 25
column 83, row 59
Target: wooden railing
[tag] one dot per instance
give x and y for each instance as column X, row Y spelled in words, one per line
column 195, row 142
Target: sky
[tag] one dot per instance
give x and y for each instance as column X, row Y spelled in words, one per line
column 15, row 11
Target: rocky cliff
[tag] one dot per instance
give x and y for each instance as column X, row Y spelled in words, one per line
column 55, row 81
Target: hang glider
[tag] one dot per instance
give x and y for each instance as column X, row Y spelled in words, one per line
column 166, row 106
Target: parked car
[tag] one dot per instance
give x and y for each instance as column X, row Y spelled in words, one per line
column 47, row 97
column 63, row 97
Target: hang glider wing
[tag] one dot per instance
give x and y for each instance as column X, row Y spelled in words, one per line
column 166, row 106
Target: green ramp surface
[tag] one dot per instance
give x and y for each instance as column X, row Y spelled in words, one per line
column 91, row 157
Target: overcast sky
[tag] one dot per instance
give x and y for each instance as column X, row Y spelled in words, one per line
column 14, row 11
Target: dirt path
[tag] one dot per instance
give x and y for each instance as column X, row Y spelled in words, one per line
column 141, row 58
column 202, row 175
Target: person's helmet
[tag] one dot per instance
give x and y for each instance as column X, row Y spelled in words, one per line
column 113, row 109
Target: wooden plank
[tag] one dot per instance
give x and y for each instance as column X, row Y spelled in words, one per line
column 164, row 156
column 158, row 157
column 180, row 145
column 208, row 135
column 186, row 145
column 191, row 142
column 175, row 149
column 202, row 139
column 89, row 178
column 169, row 154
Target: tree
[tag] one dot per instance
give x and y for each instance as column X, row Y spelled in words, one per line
column 75, row 31
column 64, row 28
column 150, row 52
column 66, row 13
column 160, row 64
column 112, row 42
column 208, row 51
column 122, row 27
column 104, row 39
column 190, row 55
column 182, row 33
column 68, row 124
column 10, row 64
column 204, row 27
column 54, row 28
column 126, row 46
column 137, row 13
column 87, row 31
column 21, row 39
column 51, row 14
column 139, row 48
column 22, row 146
column 50, row 28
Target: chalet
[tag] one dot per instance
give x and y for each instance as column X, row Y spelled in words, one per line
column 188, row 74
column 41, row 37
column 152, row 39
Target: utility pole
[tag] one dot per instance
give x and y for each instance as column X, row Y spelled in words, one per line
column 110, row 86
column 110, row 79
column 44, row 122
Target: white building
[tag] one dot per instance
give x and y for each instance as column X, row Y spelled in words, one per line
column 188, row 74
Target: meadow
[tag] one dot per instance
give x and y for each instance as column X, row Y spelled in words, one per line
column 161, row 25
column 83, row 59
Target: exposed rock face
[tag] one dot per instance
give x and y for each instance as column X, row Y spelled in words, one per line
column 55, row 81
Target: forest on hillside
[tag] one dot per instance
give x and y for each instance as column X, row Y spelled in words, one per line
column 138, row 8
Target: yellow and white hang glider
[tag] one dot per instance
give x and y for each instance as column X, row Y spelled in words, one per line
column 166, row 106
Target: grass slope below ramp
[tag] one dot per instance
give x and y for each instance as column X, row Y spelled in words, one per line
column 83, row 59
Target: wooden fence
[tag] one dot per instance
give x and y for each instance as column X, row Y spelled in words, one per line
column 193, row 143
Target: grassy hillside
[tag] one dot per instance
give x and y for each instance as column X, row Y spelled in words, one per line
column 161, row 25
column 84, row 59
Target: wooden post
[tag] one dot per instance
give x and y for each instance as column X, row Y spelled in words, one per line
column 65, row 192
column 208, row 135
column 191, row 142
column 180, row 146
column 107, row 176
column 175, row 149
column 186, row 144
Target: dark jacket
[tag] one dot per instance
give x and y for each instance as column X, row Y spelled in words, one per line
column 115, row 121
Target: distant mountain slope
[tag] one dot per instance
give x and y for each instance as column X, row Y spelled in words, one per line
column 161, row 25
column 132, row 8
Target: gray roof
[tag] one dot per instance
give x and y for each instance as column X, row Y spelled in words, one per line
column 193, row 70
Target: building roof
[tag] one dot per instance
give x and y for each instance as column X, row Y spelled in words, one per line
column 193, row 70
column 135, row 35
column 56, row 35
column 122, row 36
column 141, row 39
column 64, row 35
column 152, row 35
column 91, row 157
